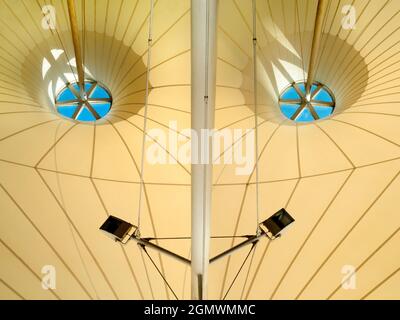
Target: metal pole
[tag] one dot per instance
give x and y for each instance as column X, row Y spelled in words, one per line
column 319, row 19
column 77, row 45
column 203, row 82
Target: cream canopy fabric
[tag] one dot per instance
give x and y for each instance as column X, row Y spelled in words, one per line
column 338, row 177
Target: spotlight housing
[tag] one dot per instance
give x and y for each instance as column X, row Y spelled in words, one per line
column 118, row 229
column 277, row 223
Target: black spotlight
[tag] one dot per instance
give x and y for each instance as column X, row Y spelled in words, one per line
column 275, row 224
column 118, row 229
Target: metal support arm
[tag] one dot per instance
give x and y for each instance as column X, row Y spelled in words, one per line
column 149, row 244
column 250, row 240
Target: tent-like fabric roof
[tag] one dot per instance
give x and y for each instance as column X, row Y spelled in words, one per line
column 339, row 177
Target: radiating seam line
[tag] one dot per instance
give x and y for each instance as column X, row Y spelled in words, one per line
column 366, row 130
column 59, row 256
column 242, row 206
column 147, row 274
column 380, row 284
column 119, row 83
column 345, row 73
column 78, row 233
column 27, row 129
column 55, row 143
column 28, row 267
column 346, row 235
column 240, row 270
column 374, row 113
column 140, row 104
column 120, row 97
column 364, row 262
column 150, row 119
column 12, row 289
column 260, row 155
column 111, row 72
column 337, row 146
column 161, row 273
column 188, row 185
column 145, row 193
column 121, row 246
column 235, row 231
column 154, row 140
column 309, row 234
column 115, row 78
column 248, row 273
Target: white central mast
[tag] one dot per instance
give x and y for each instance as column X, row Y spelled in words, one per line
column 204, row 27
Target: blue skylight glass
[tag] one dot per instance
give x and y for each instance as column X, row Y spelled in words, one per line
column 305, row 116
column 302, row 87
column 290, row 94
column 86, row 115
column 102, row 109
column 313, row 87
column 100, row 93
column 323, row 112
column 318, row 105
column 289, row 110
column 323, row 96
column 67, row 111
column 66, row 95
column 71, row 105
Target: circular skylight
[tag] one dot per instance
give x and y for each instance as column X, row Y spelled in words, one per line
column 92, row 105
column 298, row 106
